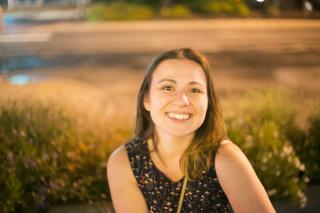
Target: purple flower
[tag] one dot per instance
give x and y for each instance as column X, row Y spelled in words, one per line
column 54, row 185
column 30, row 163
column 55, row 155
column 11, row 158
column 45, row 156
column 30, row 141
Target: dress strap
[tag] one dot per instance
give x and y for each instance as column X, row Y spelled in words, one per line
column 185, row 181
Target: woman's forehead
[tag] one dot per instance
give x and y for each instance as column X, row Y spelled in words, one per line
column 179, row 69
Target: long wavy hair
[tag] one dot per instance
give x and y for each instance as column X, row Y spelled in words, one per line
column 198, row 157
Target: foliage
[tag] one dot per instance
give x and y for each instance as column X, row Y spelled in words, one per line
column 260, row 131
column 119, row 11
column 177, row 11
column 311, row 149
column 307, row 145
column 152, row 3
column 220, row 7
column 146, row 9
column 47, row 157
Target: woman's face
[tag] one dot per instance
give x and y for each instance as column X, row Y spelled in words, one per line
column 177, row 100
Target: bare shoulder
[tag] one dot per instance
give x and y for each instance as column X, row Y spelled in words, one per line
column 118, row 163
column 125, row 194
column 230, row 161
column 229, row 152
column 118, row 154
column 239, row 180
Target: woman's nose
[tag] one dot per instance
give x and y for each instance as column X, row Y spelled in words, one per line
column 182, row 99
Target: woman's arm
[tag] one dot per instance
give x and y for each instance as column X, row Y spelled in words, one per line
column 239, row 181
column 126, row 196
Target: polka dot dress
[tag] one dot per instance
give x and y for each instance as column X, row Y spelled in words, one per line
column 162, row 195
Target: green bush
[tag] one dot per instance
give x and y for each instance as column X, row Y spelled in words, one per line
column 119, row 11
column 47, row 157
column 310, row 152
column 146, row 9
column 260, row 130
column 151, row 3
column 307, row 146
column 222, row 7
column 177, row 11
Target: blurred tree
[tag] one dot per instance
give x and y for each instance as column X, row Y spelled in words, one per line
column 284, row 4
column 152, row 3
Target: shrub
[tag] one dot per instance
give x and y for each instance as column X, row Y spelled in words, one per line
column 47, row 158
column 177, row 11
column 310, row 152
column 260, row 131
column 307, row 146
column 152, row 3
column 119, row 11
column 222, row 7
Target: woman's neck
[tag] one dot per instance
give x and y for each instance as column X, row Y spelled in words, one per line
column 171, row 147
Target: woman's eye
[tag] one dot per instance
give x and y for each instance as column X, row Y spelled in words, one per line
column 167, row 88
column 195, row 90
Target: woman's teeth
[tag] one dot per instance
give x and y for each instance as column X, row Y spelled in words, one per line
column 178, row 116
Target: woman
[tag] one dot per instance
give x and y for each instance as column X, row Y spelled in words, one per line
column 180, row 158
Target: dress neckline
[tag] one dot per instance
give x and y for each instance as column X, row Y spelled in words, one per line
column 156, row 168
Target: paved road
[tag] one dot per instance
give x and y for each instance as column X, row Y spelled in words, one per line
column 263, row 45
column 275, row 39
column 286, row 52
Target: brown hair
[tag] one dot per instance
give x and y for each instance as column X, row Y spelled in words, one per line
column 199, row 155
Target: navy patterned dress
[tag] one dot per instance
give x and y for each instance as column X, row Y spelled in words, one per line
column 162, row 195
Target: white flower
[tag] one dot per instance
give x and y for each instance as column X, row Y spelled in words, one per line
column 272, row 192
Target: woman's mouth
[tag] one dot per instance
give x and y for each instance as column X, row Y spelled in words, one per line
column 179, row 116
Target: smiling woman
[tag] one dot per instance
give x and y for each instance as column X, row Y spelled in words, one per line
column 180, row 159
column 177, row 99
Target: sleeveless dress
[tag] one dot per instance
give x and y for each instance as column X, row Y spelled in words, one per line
column 162, row 195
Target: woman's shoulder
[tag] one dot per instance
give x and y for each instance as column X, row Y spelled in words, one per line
column 229, row 153
column 239, row 180
column 227, row 147
column 122, row 183
column 120, row 156
column 230, row 161
column 118, row 165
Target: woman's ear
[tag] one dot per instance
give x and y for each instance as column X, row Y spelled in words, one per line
column 146, row 102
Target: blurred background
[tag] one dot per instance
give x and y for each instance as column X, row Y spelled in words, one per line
column 70, row 71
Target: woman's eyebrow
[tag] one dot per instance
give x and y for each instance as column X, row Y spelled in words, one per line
column 167, row 79
column 196, row 83
column 173, row 81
